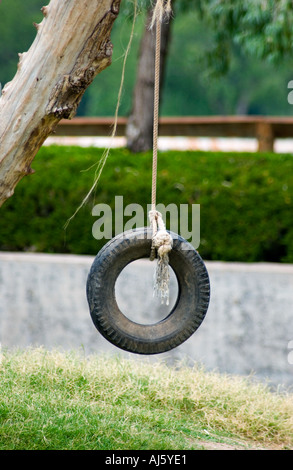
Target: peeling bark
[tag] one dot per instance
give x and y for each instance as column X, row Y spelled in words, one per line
column 71, row 47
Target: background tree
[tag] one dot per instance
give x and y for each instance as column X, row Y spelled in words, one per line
column 262, row 28
column 139, row 131
column 254, row 28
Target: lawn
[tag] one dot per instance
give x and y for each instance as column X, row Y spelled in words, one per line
column 54, row 400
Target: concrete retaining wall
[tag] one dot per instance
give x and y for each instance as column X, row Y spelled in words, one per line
column 248, row 327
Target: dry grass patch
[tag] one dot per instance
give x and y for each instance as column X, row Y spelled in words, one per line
column 57, row 400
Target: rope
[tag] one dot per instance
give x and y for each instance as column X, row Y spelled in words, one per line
column 156, row 112
column 161, row 239
column 161, row 9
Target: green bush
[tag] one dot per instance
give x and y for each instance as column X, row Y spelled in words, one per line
column 245, row 200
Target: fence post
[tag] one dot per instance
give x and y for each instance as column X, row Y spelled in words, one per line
column 265, row 136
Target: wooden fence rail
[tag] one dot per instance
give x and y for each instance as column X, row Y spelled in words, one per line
column 264, row 129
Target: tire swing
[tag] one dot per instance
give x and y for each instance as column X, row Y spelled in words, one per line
column 150, row 242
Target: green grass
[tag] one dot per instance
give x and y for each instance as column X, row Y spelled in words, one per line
column 63, row 401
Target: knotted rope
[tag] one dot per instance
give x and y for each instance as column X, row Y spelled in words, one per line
column 162, row 243
column 161, row 240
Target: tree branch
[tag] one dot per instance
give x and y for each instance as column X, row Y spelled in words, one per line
column 71, row 47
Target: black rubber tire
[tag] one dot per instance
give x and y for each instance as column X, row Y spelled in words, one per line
column 184, row 319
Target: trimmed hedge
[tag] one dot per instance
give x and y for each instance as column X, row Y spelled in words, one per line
column 246, row 200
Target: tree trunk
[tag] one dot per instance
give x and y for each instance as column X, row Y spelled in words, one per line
column 139, row 130
column 71, row 47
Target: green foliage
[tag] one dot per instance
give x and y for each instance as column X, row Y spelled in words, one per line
column 261, row 28
column 198, row 81
column 246, row 200
column 16, row 32
column 221, row 57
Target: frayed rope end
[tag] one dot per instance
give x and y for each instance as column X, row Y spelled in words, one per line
column 162, row 9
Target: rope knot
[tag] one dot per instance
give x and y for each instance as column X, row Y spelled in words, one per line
column 162, row 242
